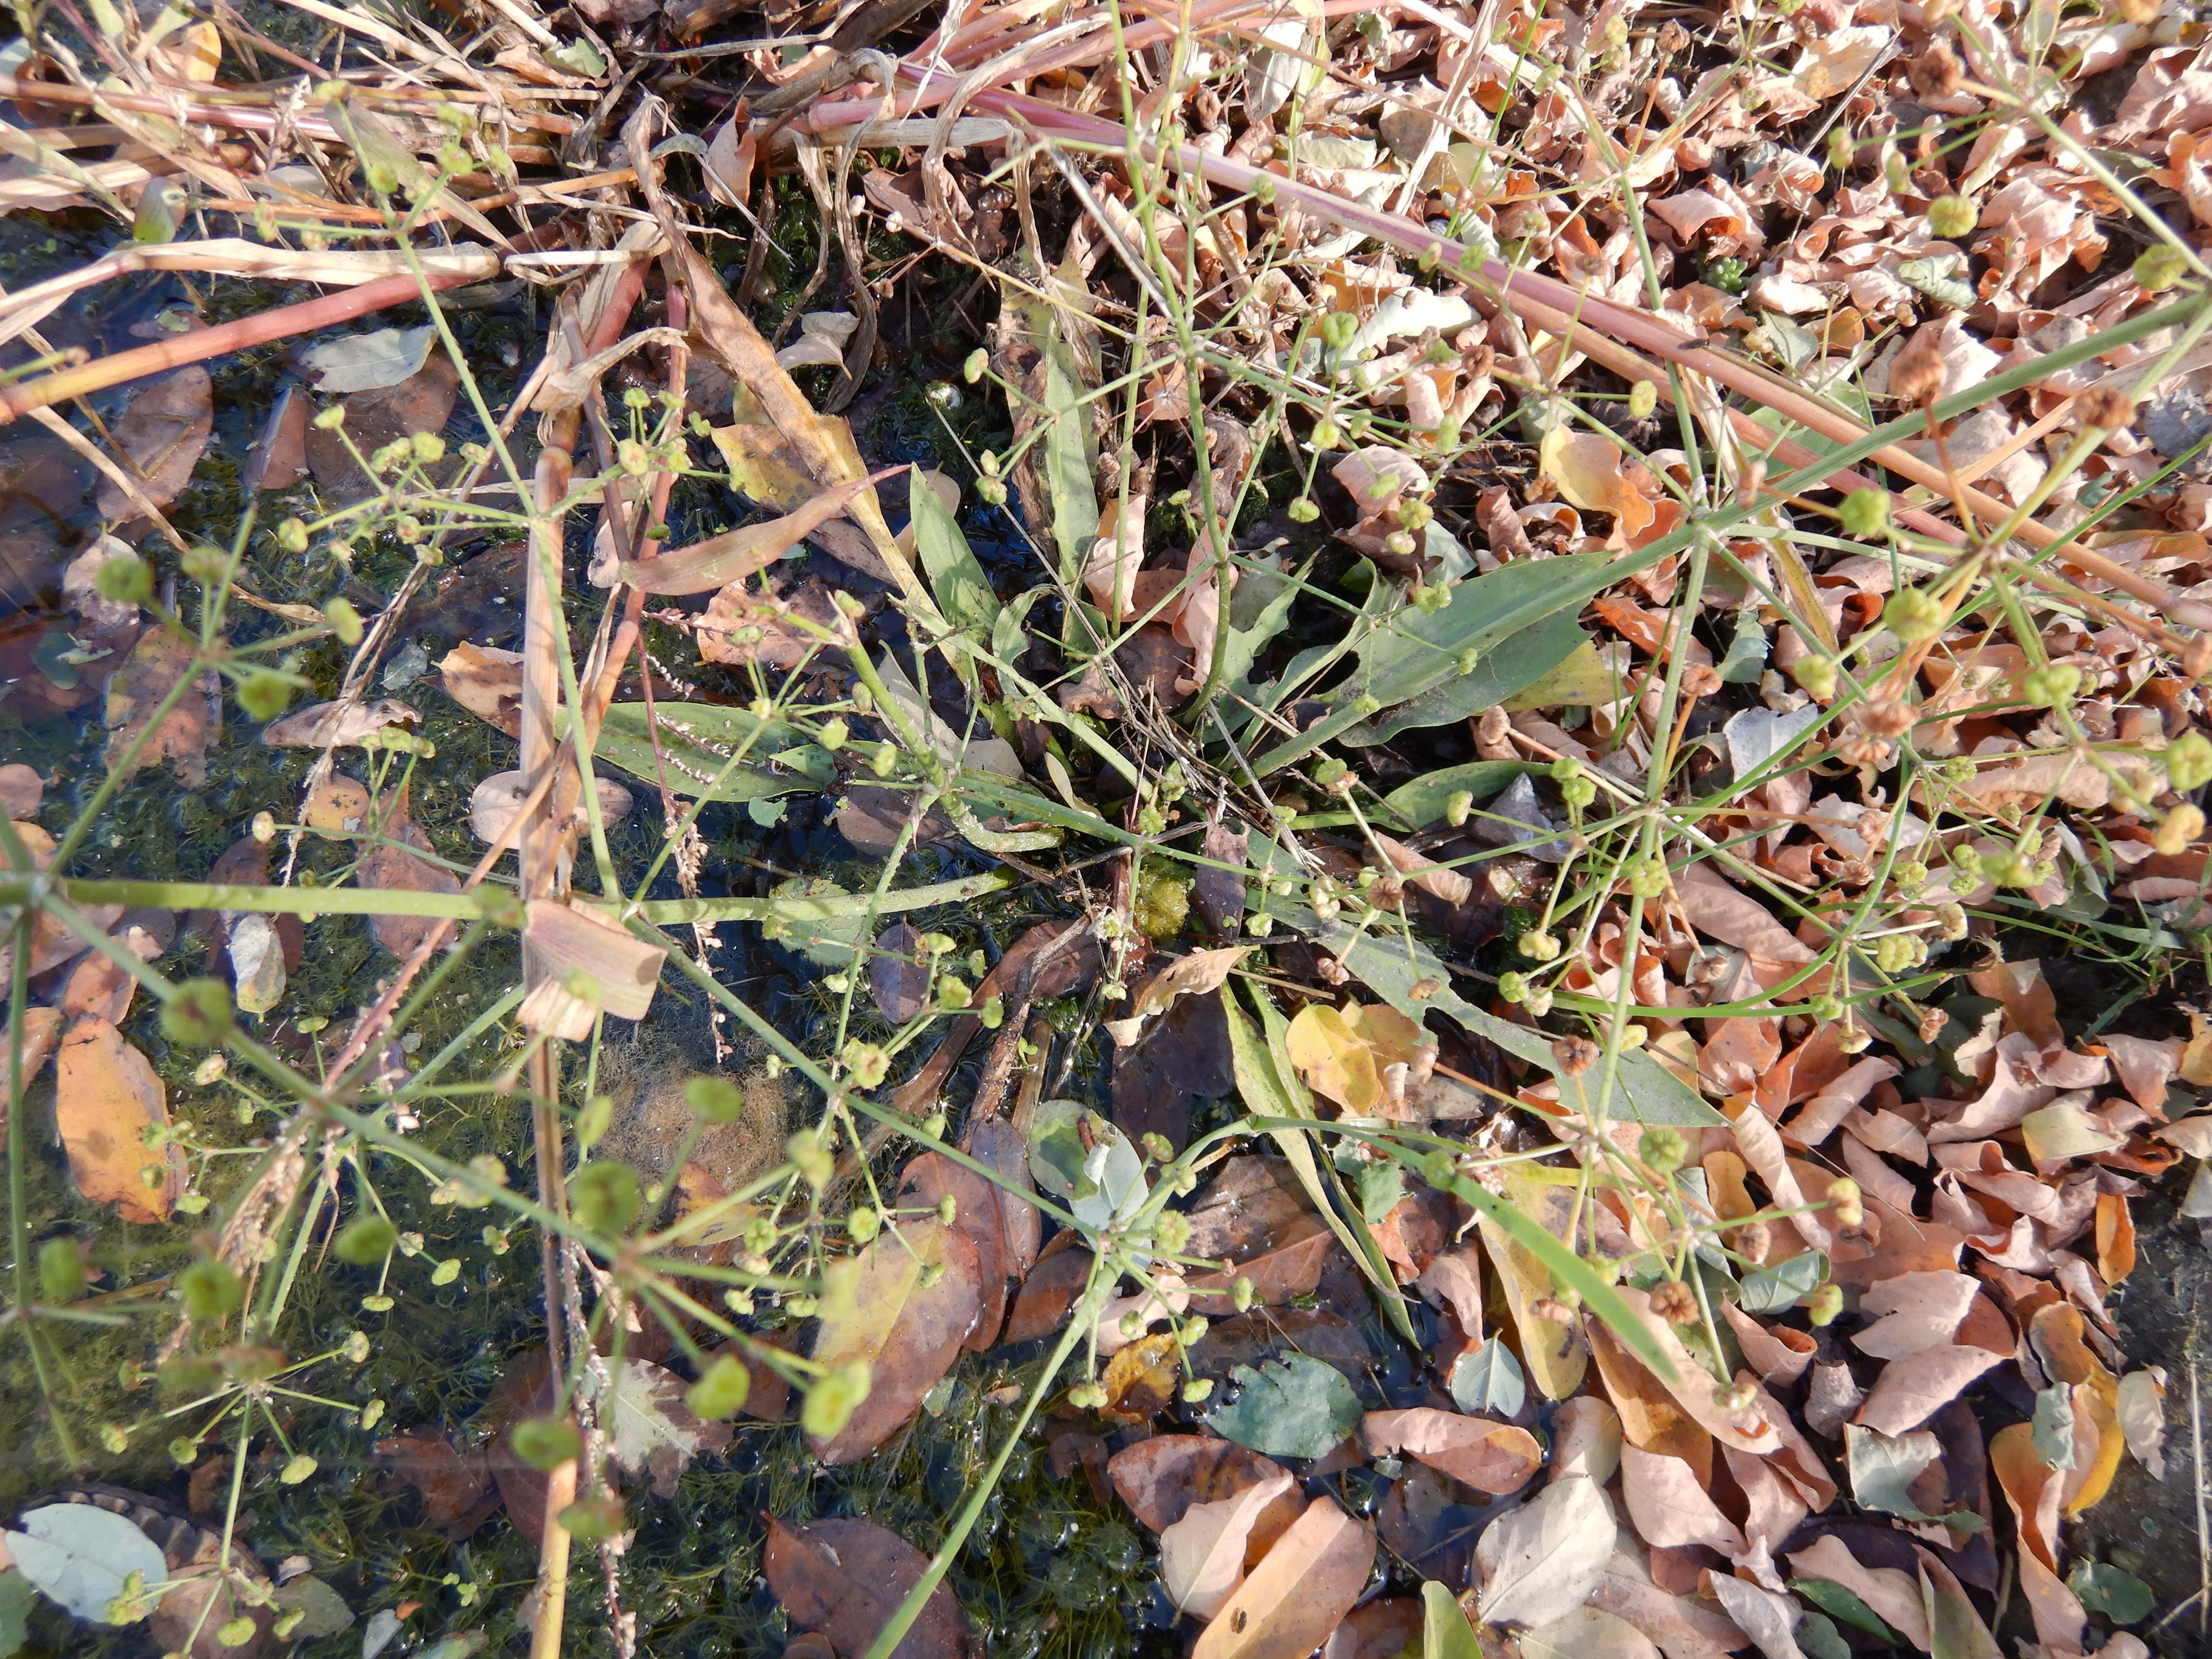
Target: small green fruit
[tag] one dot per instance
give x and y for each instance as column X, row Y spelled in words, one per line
column 546, row 1442
column 604, row 1196
column 720, row 1390
column 365, row 1241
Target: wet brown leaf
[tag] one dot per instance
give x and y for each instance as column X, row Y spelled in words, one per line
column 1048, row 1295
column 397, row 864
column 908, row 1334
column 278, row 458
column 106, row 1099
column 160, row 440
column 455, row 1485
column 898, row 979
column 158, row 661
column 926, row 1182
column 844, row 1578
column 336, row 807
column 423, row 402
column 42, row 1030
column 21, row 790
column 98, row 988
column 1161, row 1478
column 487, row 681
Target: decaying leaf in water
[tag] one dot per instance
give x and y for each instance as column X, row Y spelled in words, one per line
column 844, row 1578
column 42, row 1032
column 570, row 939
column 926, row 1182
column 455, row 1484
column 338, row 725
column 1202, row 1554
column 1477, row 1451
column 494, row 803
column 107, row 1103
column 1300, row 1591
column 160, row 440
column 905, row 1332
column 336, row 807
column 650, row 1431
column 899, row 978
column 21, row 790
column 156, row 664
column 256, row 961
column 1161, row 1478
column 397, row 863
column 487, row 681
column 100, row 986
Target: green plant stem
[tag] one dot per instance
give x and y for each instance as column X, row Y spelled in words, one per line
column 1084, row 1318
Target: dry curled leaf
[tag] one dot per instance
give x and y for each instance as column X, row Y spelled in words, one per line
column 1300, row 1591
column 1488, row 1455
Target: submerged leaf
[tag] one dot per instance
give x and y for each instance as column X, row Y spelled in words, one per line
column 650, row 1430
column 79, row 1554
column 1294, row 1406
column 106, row 1101
column 844, row 1578
column 907, row 1333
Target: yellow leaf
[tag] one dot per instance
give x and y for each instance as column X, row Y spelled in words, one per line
column 106, row 1101
column 1552, row 1354
column 1582, row 679
column 1333, row 1060
column 1587, row 470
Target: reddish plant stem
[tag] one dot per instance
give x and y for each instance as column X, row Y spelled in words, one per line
column 286, row 321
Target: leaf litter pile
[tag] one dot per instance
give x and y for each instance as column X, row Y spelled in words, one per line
column 1405, row 796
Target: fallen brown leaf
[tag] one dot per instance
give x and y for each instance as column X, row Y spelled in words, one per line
column 106, row 1100
column 1300, row 1591
column 160, row 439
column 844, row 1578
column 158, row 661
column 487, row 681
column 907, row 1333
